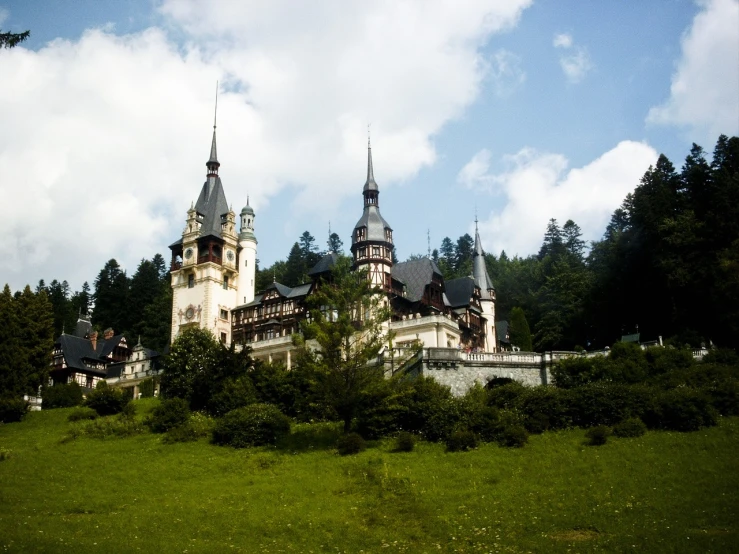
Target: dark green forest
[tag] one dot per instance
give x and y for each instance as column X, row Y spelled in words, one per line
column 667, row 265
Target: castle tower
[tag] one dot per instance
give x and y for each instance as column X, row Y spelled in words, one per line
column 247, row 255
column 487, row 292
column 204, row 261
column 372, row 239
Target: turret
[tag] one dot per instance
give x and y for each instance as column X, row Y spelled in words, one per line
column 487, row 291
column 372, row 238
column 247, row 255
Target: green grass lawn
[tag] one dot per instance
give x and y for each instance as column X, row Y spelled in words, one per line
column 664, row 492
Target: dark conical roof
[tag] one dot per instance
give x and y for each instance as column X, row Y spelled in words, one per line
column 211, row 205
column 370, row 184
column 480, row 270
column 213, row 150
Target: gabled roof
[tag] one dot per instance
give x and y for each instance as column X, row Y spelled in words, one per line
column 459, row 291
column 283, row 290
column 324, row 264
column 300, row 290
column 257, row 300
column 76, row 350
column 211, row 205
column 415, row 275
column 105, row 347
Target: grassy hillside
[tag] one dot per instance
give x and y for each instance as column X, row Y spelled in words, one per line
column 664, row 492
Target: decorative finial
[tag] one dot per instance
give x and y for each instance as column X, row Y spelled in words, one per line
column 274, row 276
column 62, row 328
column 247, row 199
column 475, row 218
column 369, row 144
column 215, row 112
column 428, row 241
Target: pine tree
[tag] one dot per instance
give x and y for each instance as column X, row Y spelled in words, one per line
column 13, row 362
column 518, row 330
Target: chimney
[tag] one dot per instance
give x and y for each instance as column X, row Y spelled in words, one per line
column 94, row 339
column 108, row 333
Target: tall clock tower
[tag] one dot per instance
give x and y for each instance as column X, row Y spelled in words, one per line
column 372, row 238
column 205, row 261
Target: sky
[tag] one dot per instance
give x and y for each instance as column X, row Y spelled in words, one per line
column 511, row 111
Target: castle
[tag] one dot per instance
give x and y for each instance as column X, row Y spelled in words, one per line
column 213, row 275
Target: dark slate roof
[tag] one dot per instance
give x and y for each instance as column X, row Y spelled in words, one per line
column 370, row 183
column 76, row 351
column 631, row 338
column 105, row 347
column 284, row 290
column 501, row 330
column 374, row 222
column 459, row 291
column 415, row 275
column 300, row 290
column 82, row 328
column 178, row 242
column 211, row 205
column 324, row 264
column 480, row 270
column 257, row 300
column 116, row 369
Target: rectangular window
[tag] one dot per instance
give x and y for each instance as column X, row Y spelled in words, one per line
column 223, row 338
column 376, row 251
column 190, row 281
column 224, row 315
column 225, row 282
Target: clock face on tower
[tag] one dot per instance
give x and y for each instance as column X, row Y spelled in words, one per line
column 188, row 253
column 230, row 255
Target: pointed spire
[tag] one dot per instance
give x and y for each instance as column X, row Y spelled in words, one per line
column 212, row 162
column 479, row 269
column 370, row 184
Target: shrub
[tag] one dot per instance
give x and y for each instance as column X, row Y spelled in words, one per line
column 82, row 413
column 598, row 435
column 254, row 425
column 506, row 396
column 574, row 372
column 722, row 356
column 236, row 393
column 351, row 443
column 513, row 436
column 429, row 409
column 146, row 388
column 106, row 400
column 405, row 442
column 182, row 433
column 632, row 427
column 129, row 410
column 171, row 413
column 12, row 410
column 61, row 396
column 685, row 409
column 381, row 409
column 106, row 428
column 544, row 408
column 461, row 441
column 664, row 360
column 724, row 396
column 608, row 403
column 5, row 454
column 202, row 424
column 627, row 363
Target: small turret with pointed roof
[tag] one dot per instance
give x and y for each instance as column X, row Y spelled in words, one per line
column 480, row 270
column 212, row 163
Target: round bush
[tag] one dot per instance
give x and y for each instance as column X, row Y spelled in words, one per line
column 685, row 409
column 254, row 425
column 12, row 410
column 351, row 443
column 598, row 435
column 632, row 427
column 461, row 441
column 513, row 436
column 171, row 413
column 106, row 400
column 61, row 396
column 82, row 413
column 405, row 442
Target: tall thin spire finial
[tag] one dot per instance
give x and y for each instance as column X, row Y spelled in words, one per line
column 215, row 112
column 369, row 144
column 212, row 162
column 475, row 218
column 428, row 241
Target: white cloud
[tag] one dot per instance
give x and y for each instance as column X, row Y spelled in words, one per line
column 704, row 95
column 537, row 187
column 105, row 138
column 562, row 41
column 576, row 63
column 506, row 73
